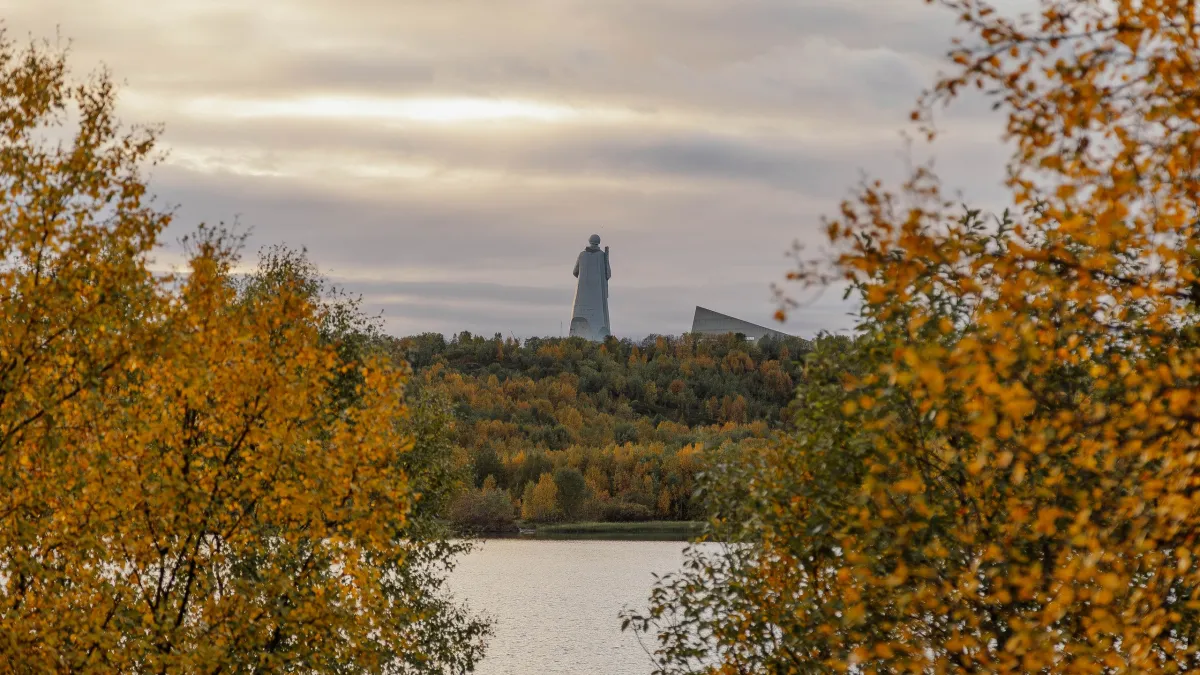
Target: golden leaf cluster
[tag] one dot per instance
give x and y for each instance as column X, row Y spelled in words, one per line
column 1002, row 473
column 182, row 488
column 1033, row 489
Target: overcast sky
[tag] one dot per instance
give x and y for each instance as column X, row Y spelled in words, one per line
column 449, row 158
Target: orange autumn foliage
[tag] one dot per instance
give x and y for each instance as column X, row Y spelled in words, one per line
column 1002, row 475
column 182, row 487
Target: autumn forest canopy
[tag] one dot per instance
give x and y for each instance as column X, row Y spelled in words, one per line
column 614, row 431
column 999, row 472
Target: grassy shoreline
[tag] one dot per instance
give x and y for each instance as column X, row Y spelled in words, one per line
column 665, row 529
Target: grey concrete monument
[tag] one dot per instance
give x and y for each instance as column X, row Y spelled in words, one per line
column 589, row 319
column 708, row 322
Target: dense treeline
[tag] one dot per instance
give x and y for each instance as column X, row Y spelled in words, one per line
column 557, row 428
column 693, row 380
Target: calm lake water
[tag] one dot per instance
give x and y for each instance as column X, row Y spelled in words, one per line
column 554, row 603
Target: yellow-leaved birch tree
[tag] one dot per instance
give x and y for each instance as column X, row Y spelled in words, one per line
column 1001, row 473
column 194, row 476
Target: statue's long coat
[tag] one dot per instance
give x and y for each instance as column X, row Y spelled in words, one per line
column 590, row 316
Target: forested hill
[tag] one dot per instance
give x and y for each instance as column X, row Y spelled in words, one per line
column 690, row 380
column 566, row 429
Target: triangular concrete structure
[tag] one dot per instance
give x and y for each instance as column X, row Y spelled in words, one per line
column 709, row 322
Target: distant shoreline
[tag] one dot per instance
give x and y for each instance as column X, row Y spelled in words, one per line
column 664, row 530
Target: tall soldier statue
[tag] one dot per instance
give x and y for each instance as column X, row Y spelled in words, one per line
column 589, row 319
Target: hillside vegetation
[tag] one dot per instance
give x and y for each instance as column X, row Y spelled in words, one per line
column 557, row 429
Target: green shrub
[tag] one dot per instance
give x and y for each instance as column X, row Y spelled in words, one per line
column 485, row 511
column 572, row 490
column 626, row 512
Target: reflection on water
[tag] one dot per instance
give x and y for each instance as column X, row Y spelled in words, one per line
column 554, row 603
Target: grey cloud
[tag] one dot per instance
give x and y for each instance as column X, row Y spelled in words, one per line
column 793, row 98
column 333, row 70
column 726, row 31
column 802, row 166
column 778, row 57
column 707, row 156
column 703, row 32
column 810, row 166
column 435, row 291
column 509, row 228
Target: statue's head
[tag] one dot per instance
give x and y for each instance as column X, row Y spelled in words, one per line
column 594, row 240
